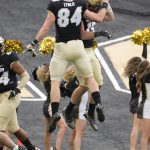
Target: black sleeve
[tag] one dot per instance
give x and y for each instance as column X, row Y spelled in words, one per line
column 147, row 78
column 132, row 85
column 84, row 6
column 50, row 6
column 12, row 57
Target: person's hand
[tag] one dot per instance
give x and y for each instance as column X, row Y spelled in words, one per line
column 29, row 48
column 103, row 33
column 107, row 34
column 14, row 92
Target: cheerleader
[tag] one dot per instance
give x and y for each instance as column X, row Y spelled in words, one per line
column 130, row 72
column 42, row 75
column 143, row 112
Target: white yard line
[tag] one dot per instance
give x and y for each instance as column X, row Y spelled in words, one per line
column 36, row 90
column 105, row 65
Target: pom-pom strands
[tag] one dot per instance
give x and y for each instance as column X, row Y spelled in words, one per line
column 46, row 46
column 13, row 46
column 140, row 37
column 95, row 44
column 146, row 36
column 137, row 37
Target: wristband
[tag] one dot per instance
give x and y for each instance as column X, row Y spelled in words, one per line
column 109, row 8
column 34, row 42
column 104, row 5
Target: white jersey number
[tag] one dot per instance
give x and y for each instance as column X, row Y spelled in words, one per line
column 91, row 26
column 64, row 14
column 4, row 78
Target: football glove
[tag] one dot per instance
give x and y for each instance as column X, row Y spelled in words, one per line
column 14, row 92
column 103, row 33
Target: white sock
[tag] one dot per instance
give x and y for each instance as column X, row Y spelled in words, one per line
column 15, row 147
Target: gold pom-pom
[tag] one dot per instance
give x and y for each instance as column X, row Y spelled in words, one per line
column 146, row 35
column 13, row 46
column 95, row 44
column 46, row 46
column 137, row 37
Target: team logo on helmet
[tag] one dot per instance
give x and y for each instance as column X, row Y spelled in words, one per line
column 94, row 2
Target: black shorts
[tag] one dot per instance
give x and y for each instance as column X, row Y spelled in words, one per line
column 45, row 109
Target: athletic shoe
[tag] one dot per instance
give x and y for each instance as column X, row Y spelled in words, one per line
column 56, row 117
column 36, row 148
column 100, row 113
column 69, row 119
column 91, row 120
column 21, row 147
column 53, row 148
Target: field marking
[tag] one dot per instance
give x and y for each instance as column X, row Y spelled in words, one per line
column 36, row 90
column 105, row 65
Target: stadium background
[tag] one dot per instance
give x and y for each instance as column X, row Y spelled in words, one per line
column 21, row 19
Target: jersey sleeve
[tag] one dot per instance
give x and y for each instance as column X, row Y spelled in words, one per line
column 147, row 77
column 50, row 6
column 13, row 57
column 84, row 6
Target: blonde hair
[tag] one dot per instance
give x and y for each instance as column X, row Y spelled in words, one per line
column 142, row 70
column 131, row 66
column 43, row 73
column 70, row 73
column 94, row 2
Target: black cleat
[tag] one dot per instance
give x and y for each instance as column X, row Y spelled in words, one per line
column 100, row 113
column 56, row 117
column 53, row 148
column 21, row 147
column 91, row 120
column 69, row 119
column 36, row 148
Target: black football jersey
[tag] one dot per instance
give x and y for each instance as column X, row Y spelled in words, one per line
column 8, row 78
column 88, row 26
column 69, row 15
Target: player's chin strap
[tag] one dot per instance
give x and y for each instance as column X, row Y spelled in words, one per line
column 24, row 79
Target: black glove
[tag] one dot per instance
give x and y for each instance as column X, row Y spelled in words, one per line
column 103, row 33
column 13, row 93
